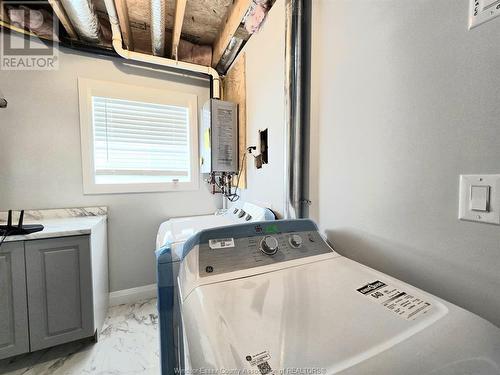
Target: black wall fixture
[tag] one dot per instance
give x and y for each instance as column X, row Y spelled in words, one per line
column 264, row 145
column 3, row 101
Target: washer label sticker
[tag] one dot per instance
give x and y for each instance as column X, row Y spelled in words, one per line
column 368, row 288
column 261, row 361
column 221, row 243
column 403, row 304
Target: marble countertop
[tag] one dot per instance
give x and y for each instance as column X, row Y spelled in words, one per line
column 60, row 227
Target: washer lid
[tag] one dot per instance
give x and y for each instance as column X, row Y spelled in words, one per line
column 180, row 229
column 329, row 316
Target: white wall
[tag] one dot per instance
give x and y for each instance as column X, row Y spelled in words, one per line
column 40, row 159
column 405, row 100
column 265, row 77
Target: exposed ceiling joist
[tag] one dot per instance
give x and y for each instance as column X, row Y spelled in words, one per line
column 63, row 17
column 122, row 12
column 233, row 21
column 202, row 32
column 180, row 8
column 2, row 10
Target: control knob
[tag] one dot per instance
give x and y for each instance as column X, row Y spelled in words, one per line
column 295, row 241
column 269, row 245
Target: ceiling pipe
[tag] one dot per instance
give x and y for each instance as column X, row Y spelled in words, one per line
column 297, row 94
column 158, row 27
column 84, row 19
column 64, row 42
column 156, row 60
column 87, row 47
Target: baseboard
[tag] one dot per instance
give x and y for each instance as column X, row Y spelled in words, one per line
column 132, row 295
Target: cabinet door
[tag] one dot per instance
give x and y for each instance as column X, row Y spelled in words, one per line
column 13, row 307
column 59, row 278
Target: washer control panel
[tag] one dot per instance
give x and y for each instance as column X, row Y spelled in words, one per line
column 221, row 255
column 269, row 245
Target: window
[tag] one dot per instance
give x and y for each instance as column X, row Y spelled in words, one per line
column 137, row 139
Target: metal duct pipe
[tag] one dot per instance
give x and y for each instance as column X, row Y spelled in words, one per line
column 160, row 61
column 229, row 54
column 297, row 94
column 84, row 19
column 158, row 27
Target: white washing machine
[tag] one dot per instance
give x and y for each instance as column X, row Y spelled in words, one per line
column 170, row 240
column 179, row 229
column 275, row 298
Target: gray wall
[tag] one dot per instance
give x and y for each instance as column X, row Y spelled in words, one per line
column 405, row 100
column 40, row 159
column 265, row 76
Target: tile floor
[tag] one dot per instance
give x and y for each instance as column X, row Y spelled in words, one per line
column 128, row 345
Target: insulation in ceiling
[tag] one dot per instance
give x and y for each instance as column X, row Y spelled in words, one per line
column 204, row 22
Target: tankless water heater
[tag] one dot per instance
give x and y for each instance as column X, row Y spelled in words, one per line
column 219, row 137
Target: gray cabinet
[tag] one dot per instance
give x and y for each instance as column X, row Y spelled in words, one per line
column 53, row 290
column 13, row 308
column 59, row 289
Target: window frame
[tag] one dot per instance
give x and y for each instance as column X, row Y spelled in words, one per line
column 87, row 88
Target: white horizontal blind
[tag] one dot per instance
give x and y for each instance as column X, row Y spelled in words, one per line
column 139, row 142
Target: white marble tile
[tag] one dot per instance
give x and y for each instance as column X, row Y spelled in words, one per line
column 62, row 227
column 128, row 344
column 57, row 213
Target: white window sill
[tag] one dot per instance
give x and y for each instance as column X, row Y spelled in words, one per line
column 93, row 189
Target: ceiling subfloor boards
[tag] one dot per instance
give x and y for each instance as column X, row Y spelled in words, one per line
column 204, row 19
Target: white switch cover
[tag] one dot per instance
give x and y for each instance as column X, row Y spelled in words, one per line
column 480, row 198
column 481, row 11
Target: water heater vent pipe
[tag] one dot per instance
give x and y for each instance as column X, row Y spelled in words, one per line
column 297, row 94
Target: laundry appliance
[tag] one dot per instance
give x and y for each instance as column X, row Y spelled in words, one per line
column 274, row 297
column 170, row 240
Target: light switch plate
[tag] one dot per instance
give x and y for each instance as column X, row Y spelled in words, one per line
column 480, row 198
column 481, row 11
column 466, row 209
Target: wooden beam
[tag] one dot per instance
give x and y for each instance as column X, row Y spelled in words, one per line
column 122, row 12
column 235, row 91
column 63, row 17
column 233, row 21
column 2, row 10
column 180, row 8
